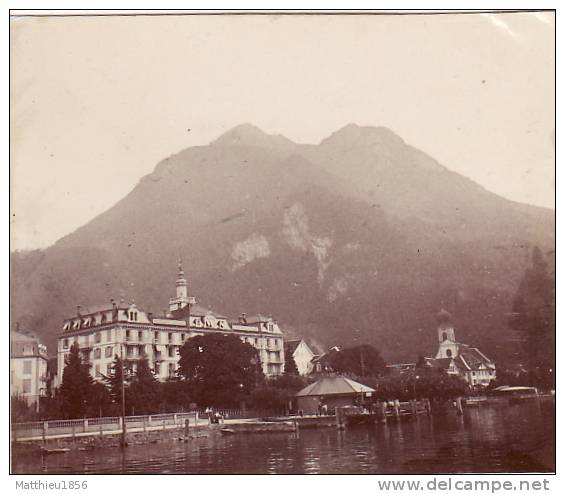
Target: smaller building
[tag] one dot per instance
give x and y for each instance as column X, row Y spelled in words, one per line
column 28, row 368
column 302, row 355
column 332, row 391
column 322, row 364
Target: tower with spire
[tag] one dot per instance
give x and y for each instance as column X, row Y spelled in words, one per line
column 182, row 299
column 448, row 346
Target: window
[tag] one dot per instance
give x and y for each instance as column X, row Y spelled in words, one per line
column 156, row 335
column 140, row 335
column 65, row 343
column 172, row 351
column 97, row 353
column 97, row 370
column 157, row 368
column 170, row 337
column 256, row 341
column 182, row 337
column 444, row 336
column 27, row 366
column 448, row 352
column 127, row 335
column 97, row 337
column 26, row 385
column 108, row 351
column 171, row 370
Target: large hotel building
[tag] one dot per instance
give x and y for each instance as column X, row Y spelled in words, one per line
column 123, row 329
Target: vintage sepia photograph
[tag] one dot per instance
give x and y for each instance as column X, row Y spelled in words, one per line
column 282, row 242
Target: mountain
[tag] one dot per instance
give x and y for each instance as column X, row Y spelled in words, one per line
column 361, row 238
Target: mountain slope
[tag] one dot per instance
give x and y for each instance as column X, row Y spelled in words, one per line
column 360, row 238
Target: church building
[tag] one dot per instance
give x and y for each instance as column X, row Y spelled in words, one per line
column 461, row 359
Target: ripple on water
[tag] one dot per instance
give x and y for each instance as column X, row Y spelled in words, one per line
column 483, row 440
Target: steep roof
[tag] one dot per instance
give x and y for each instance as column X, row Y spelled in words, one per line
column 195, row 310
column 334, row 385
column 291, row 345
column 93, row 309
column 22, row 337
column 472, row 359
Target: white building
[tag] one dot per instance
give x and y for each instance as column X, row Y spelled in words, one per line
column 460, row 359
column 28, row 368
column 302, row 355
column 125, row 330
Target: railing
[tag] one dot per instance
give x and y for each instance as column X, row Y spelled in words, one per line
column 98, row 425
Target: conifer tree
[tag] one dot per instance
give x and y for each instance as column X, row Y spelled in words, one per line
column 533, row 316
column 144, row 390
column 76, row 385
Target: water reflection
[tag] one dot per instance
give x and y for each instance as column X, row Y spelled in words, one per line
column 519, row 438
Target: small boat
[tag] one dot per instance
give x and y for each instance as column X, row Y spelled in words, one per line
column 475, row 401
column 515, row 394
column 55, row 451
column 227, row 432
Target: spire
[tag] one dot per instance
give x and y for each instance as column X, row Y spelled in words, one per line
column 181, row 280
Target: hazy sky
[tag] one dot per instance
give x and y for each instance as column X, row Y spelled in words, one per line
column 96, row 102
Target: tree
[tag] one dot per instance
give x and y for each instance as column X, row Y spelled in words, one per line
column 433, row 384
column 361, row 360
column 144, row 390
column 533, row 316
column 174, row 396
column 99, row 401
column 114, row 382
column 76, row 386
column 277, row 394
column 221, row 370
column 290, row 364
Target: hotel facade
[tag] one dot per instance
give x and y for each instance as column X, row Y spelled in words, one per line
column 125, row 330
column 28, row 368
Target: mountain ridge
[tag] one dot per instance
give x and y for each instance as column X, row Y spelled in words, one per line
column 358, row 238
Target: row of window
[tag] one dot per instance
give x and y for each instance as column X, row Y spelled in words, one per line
column 131, row 335
column 101, row 370
column 271, row 342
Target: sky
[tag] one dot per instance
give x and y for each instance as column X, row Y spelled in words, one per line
column 97, row 102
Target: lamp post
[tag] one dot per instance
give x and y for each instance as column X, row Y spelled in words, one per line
column 123, row 440
column 414, row 385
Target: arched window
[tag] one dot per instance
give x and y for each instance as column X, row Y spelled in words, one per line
column 444, row 336
column 448, row 352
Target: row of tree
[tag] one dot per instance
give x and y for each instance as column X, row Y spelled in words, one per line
column 221, row 371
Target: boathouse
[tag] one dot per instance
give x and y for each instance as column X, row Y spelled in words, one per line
column 333, row 391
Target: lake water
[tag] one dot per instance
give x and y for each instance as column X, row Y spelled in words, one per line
column 516, row 438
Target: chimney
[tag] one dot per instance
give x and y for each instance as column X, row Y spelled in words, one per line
column 242, row 318
column 150, row 316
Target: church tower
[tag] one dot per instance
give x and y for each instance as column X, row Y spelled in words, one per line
column 448, row 347
column 182, row 299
